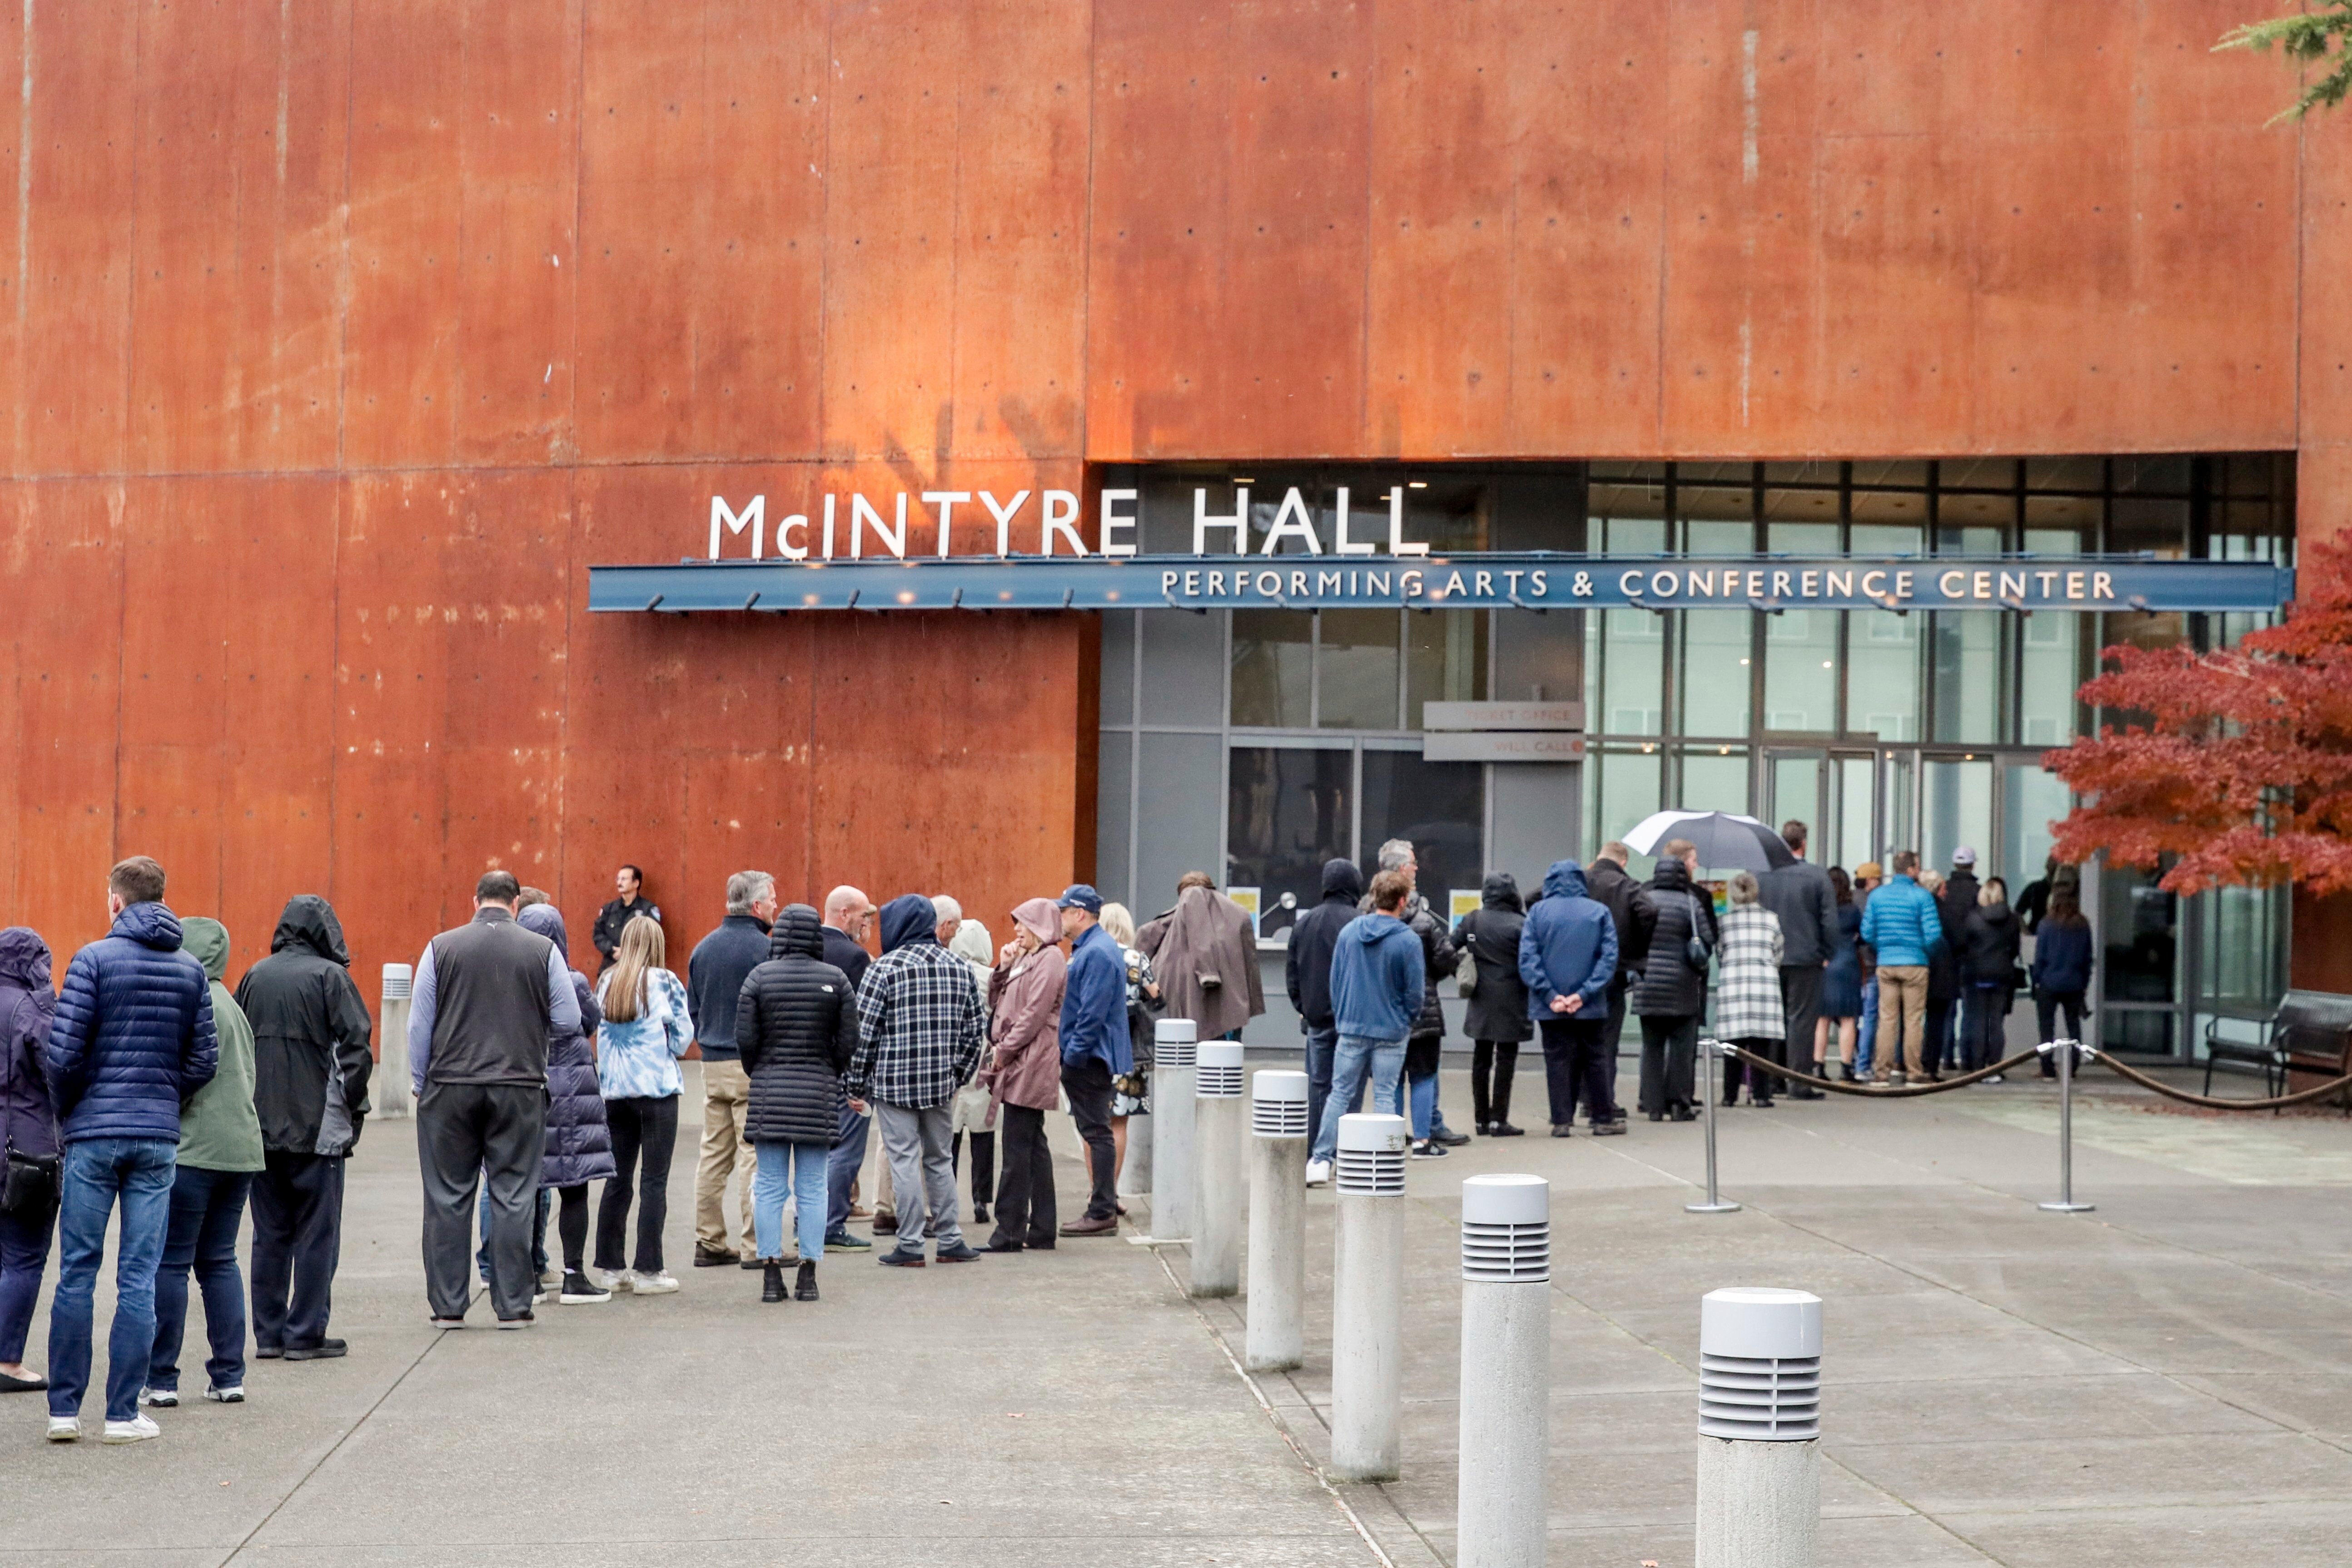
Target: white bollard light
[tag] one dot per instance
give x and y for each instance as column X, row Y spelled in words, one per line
column 1500, row 1513
column 388, row 1090
column 1276, row 1337
column 1135, row 1172
column 1760, row 1407
column 1368, row 1298
column 1173, row 1045
column 1218, row 1203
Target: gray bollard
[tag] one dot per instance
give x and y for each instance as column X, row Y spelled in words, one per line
column 1276, row 1336
column 388, row 1090
column 1172, row 1091
column 1759, row 1405
column 2065, row 1204
column 1218, row 1212
column 1500, row 1514
column 1134, row 1171
column 1368, row 1298
column 1709, row 1053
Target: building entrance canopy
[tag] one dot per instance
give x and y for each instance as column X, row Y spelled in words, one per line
column 1526, row 581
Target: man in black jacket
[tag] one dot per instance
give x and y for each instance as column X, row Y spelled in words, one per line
column 848, row 912
column 714, row 979
column 629, row 883
column 1628, row 902
column 310, row 1069
column 1306, row 969
column 1802, row 896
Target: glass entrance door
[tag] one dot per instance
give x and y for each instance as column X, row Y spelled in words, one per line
column 1796, row 784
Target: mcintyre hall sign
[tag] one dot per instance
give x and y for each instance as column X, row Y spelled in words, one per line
column 853, row 554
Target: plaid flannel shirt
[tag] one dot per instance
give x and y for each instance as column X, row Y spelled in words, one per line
column 920, row 1027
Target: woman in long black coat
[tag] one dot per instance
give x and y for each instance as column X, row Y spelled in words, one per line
column 1496, row 1017
column 579, row 1144
column 796, row 1026
column 1670, row 997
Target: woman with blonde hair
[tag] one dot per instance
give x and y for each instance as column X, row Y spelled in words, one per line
column 646, row 1029
column 1747, row 1010
column 1131, row 1092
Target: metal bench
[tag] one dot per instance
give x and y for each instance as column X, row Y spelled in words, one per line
column 2311, row 1032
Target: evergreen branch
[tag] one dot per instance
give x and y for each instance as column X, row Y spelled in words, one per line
column 2305, row 39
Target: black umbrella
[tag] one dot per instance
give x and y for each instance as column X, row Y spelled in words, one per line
column 1725, row 841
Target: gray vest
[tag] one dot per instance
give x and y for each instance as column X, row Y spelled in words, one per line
column 489, row 986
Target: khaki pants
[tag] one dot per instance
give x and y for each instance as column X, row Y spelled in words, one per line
column 726, row 1097
column 1902, row 1020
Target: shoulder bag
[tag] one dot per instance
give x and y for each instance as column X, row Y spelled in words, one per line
column 29, row 1191
column 1696, row 950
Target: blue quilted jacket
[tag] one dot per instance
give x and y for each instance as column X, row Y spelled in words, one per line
column 133, row 1036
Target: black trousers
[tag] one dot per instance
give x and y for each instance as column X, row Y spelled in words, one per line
column 1619, row 989
column 1088, row 1087
column 2047, row 1008
column 1574, row 1069
column 1761, row 1084
column 571, row 1225
column 1801, row 1012
column 298, row 1241
column 466, row 1135
column 983, row 1161
column 1669, row 1063
column 1495, row 1060
column 1025, row 1212
column 645, row 1137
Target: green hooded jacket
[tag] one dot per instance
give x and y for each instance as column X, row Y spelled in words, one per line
column 219, row 1130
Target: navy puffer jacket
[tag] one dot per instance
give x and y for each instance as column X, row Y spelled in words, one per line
column 133, row 1036
column 579, row 1141
column 796, row 1024
column 26, row 1003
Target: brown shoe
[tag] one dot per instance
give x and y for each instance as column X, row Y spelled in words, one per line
column 1106, row 1225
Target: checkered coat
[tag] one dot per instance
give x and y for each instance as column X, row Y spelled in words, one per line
column 1747, row 971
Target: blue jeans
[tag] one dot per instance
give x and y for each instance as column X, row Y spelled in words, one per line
column 1866, row 1036
column 96, row 1171
column 207, row 1211
column 1424, row 1097
column 1383, row 1061
column 23, row 1253
column 1322, row 1040
column 841, row 1168
column 802, row 1169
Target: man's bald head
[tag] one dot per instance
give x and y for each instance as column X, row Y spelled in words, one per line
column 846, row 909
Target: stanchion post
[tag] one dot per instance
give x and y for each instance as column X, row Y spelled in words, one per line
column 1275, row 1336
column 1173, row 1045
column 1368, row 1298
column 1759, row 1382
column 1500, row 1513
column 1218, row 1212
column 1710, row 1052
column 2066, row 1204
column 388, row 1092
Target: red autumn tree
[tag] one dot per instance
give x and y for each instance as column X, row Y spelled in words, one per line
column 2242, row 770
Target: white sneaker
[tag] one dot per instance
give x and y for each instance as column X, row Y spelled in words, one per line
column 65, row 1429
column 1319, row 1172
column 620, row 1281
column 234, row 1395
column 538, row 1298
column 137, row 1429
column 659, row 1284
column 160, row 1398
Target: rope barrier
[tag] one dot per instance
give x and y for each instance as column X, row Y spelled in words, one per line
column 1877, row 1091
column 2212, row 1102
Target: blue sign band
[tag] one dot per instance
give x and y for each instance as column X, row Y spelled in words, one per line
column 1542, row 581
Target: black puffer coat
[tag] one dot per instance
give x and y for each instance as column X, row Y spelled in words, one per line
column 579, row 1142
column 796, row 1024
column 1499, row 1007
column 1669, row 986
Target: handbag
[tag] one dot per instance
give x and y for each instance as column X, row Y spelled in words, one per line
column 1696, row 952
column 29, row 1191
column 1466, row 971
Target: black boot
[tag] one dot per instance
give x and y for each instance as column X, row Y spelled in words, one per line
column 805, row 1287
column 771, row 1287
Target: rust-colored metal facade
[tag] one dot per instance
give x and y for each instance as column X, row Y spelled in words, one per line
column 337, row 339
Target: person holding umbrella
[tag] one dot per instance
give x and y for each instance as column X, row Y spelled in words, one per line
column 1671, row 996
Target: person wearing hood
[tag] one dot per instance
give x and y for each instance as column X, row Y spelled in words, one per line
column 1306, row 969
column 920, row 1037
column 1496, row 1017
column 646, row 1029
column 579, row 1145
column 1206, row 953
column 1024, row 1072
column 29, row 1127
column 220, row 1150
column 1671, row 996
column 132, row 1042
column 1989, row 943
column 796, row 1030
column 1378, row 980
column 1567, row 958
column 310, row 1086
column 714, row 979
column 973, row 1114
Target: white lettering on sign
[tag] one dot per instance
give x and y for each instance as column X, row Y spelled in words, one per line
column 756, row 514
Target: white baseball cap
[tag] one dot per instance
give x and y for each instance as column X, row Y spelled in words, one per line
column 1964, row 856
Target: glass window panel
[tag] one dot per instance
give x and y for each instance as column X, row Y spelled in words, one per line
column 1273, row 668
column 2031, row 800
column 1901, row 820
column 1714, row 676
column 1647, row 472
column 2245, row 946
column 1716, row 520
column 1898, row 471
column 1357, row 662
column 2063, row 525
column 1446, row 659
column 1856, row 793
column 1967, row 675
column 1815, row 473
column 1178, row 784
column 2159, row 526
column 1118, row 698
column 1959, row 810
column 1735, row 474
column 1715, row 780
column 1800, row 670
column 1441, row 807
column 1889, row 518
column 2250, row 474
column 1626, row 788
column 2051, row 673
column 1449, row 515
column 1882, row 674
column 2139, row 924
column 1626, row 519
column 1796, row 792
column 1800, row 509
column 1977, row 473
column 1114, row 823
column 2153, row 1032
column 1183, row 668
column 2153, row 476
column 1987, row 516
column 2150, row 628
column 2066, row 473
column 1287, row 810
column 1624, row 672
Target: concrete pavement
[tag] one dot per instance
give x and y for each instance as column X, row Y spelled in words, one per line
column 2162, row 1382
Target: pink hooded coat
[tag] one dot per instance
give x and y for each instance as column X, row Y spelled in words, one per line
column 1025, row 999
